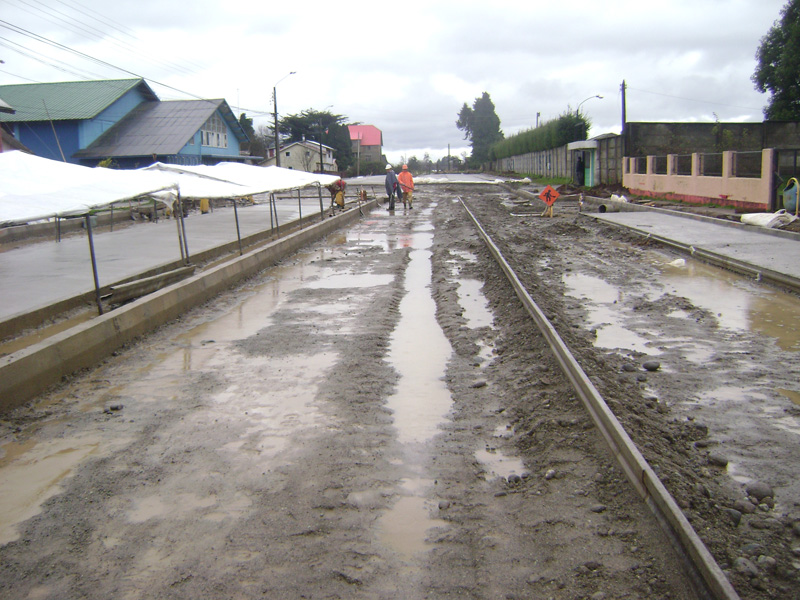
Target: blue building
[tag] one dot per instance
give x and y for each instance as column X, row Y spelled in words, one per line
column 85, row 122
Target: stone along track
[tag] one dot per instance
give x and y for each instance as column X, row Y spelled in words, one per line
column 378, row 417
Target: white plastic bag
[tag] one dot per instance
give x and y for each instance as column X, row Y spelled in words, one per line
column 769, row 220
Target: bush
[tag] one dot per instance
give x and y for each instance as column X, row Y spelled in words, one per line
column 569, row 127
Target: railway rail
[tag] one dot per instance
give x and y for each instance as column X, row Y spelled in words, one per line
column 704, row 570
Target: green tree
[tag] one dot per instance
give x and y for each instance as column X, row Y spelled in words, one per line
column 481, row 126
column 247, row 125
column 321, row 126
column 778, row 68
column 257, row 145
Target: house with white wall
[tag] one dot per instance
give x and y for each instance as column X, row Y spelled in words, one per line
column 304, row 156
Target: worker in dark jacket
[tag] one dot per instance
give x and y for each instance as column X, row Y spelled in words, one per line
column 392, row 186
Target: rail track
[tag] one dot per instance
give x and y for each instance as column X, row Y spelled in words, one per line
column 704, row 570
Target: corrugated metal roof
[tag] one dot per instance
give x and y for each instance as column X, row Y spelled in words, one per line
column 67, row 100
column 160, row 128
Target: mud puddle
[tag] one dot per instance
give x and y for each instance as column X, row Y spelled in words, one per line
column 34, row 466
column 419, row 352
column 737, row 303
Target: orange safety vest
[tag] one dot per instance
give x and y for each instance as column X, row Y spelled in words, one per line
column 406, row 180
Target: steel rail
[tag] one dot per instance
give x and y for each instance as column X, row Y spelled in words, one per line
column 704, row 570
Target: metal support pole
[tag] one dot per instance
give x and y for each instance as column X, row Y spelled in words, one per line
column 180, row 234
column 58, row 229
column 300, row 207
column 321, row 208
column 275, row 209
column 271, row 217
column 112, row 216
column 183, row 228
column 238, row 233
column 94, row 263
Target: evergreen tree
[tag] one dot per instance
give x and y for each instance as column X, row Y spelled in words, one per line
column 778, row 69
column 481, row 127
column 321, row 126
column 247, row 126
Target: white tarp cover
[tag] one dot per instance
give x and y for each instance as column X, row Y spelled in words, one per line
column 194, row 185
column 262, row 179
column 33, row 188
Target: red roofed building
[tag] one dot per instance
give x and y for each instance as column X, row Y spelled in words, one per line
column 367, row 143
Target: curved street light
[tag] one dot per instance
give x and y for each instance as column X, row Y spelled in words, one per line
column 275, row 107
column 578, row 110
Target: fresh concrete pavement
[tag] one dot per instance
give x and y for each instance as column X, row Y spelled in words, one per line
column 771, row 255
column 43, row 273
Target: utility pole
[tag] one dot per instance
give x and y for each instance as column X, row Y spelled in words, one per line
column 277, row 147
column 622, row 88
column 275, row 114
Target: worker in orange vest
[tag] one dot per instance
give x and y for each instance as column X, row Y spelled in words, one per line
column 407, row 184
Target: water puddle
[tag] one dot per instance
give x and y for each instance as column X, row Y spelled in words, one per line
column 791, row 395
column 498, row 464
column 474, row 304
column 737, row 302
column 31, row 472
column 267, row 402
column 348, row 280
column 419, row 351
column 404, row 528
column 464, row 255
column 605, row 313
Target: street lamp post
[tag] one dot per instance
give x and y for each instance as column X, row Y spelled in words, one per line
column 275, row 107
column 321, row 164
column 578, row 110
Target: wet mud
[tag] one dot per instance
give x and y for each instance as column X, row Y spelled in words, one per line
column 377, row 417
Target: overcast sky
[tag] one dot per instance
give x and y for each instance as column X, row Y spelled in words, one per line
column 408, row 67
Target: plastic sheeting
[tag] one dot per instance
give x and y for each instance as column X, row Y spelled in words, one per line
column 261, row 179
column 33, row 188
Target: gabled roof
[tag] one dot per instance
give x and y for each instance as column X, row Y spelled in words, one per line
column 160, row 128
column 368, row 134
column 310, row 144
column 69, row 100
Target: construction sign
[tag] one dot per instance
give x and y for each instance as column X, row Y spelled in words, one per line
column 549, row 196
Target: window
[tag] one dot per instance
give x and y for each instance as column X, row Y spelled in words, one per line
column 214, row 133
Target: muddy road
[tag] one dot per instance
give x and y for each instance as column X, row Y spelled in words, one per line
column 377, row 417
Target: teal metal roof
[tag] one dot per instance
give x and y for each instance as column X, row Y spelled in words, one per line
column 68, row 100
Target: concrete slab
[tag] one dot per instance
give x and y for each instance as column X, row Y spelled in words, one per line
column 746, row 244
column 44, row 273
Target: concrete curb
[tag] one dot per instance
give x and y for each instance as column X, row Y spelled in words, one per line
column 28, row 372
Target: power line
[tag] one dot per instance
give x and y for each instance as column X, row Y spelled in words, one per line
column 28, row 53
column 89, row 32
column 50, row 42
column 692, row 99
